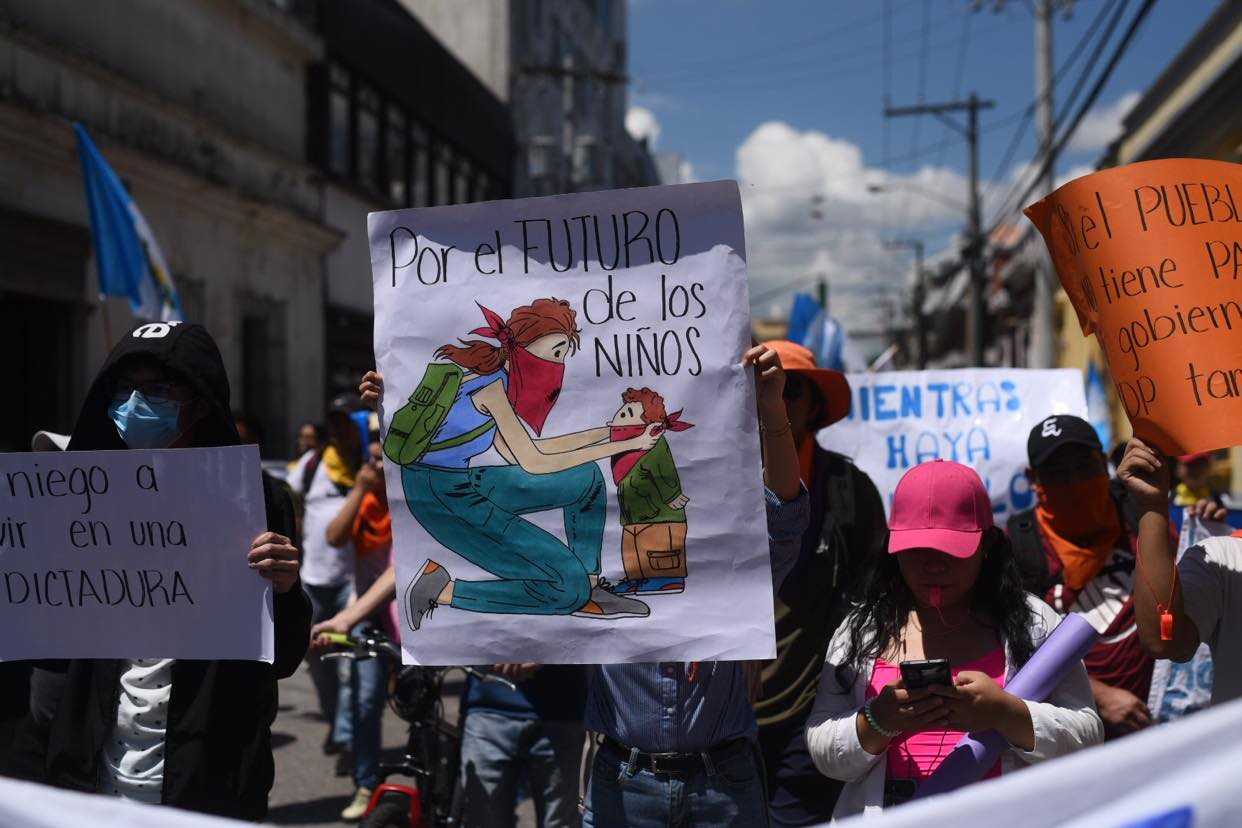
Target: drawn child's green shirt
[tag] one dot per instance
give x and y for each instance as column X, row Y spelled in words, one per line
column 644, row 493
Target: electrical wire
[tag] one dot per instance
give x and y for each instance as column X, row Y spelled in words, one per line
column 1092, row 96
column 820, row 71
column 783, row 48
column 887, row 63
column 1029, row 113
column 714, row 71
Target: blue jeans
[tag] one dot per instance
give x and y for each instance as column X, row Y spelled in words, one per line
column 477, row 513
column 499, row 752
column 621, row 797
column 331, row 690
column 368, row 684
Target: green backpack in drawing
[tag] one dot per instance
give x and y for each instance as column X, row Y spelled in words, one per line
column 413, row 426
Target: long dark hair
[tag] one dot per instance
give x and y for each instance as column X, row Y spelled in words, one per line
column 885, row 601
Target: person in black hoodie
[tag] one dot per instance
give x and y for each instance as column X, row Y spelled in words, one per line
column 190, row 734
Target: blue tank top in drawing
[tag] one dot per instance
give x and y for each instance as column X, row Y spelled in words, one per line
column 462, row 418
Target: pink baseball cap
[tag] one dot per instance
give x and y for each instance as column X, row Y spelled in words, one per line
column 939, row 505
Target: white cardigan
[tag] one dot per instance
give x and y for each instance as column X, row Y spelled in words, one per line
column 1066, row 722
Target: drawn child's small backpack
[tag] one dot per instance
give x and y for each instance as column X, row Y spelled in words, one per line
column 409, row 434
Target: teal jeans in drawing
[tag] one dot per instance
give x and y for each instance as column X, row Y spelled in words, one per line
column 477, row 513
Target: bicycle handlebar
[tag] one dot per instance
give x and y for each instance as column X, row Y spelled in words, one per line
column 377, row 645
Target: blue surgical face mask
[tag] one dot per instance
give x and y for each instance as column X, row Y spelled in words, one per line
column 146, row 425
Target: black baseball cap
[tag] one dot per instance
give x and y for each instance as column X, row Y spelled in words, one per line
column 1051, row 433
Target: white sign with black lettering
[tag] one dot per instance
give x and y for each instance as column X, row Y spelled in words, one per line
column 132, row 554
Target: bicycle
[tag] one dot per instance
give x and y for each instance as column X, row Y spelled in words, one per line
column 433, row 747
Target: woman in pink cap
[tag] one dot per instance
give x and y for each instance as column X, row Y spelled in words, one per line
column 948, row 589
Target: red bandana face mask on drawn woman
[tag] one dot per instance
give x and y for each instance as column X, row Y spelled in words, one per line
column 534, row 386
column 534, row 382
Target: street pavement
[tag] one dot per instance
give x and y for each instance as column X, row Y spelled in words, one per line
column 306, row 792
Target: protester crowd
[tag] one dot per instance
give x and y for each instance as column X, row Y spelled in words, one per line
column 835, row 725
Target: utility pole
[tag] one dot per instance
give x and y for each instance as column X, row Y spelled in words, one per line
column 1042, row 353
column 1043, row 334
column 918, row 295
column 974, row 248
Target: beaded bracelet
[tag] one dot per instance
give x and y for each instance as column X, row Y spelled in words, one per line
column 875, row 725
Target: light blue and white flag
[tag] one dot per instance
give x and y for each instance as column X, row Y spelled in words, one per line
column 129, row 261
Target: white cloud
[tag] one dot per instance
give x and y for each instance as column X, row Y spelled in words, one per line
column 686, row 172
column 811, row 212
column 1101, row 125
column 1076, row 171
column 641, row 123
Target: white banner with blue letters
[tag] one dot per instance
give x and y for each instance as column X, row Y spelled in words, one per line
column 1179, row 775
column 977, row 416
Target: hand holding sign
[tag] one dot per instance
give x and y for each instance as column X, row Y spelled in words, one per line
column 1150, row 255
column 275, row 558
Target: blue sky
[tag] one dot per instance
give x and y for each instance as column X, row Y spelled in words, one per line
column 787, row 96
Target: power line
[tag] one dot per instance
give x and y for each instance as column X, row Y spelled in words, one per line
column 887, row 63
column 781, row 48
column 852, row 65
column 1029, row 112
column 713, row 71
column 921, row 96
column 1011, row 199
column 1094, row 94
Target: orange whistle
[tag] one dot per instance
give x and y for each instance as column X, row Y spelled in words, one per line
column 1166, row 626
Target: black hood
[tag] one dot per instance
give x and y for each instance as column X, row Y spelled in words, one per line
column 186, row 351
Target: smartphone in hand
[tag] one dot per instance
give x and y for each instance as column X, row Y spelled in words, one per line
column 926, row 672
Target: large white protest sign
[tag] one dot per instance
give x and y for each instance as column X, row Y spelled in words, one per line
column 977, row 416
column 1174, row 776
column 132, row 554
column 29, row 805
column 571, row 444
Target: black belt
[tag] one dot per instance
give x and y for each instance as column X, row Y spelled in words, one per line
column 678, row 764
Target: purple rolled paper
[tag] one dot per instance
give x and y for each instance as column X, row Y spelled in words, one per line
column 975, row 754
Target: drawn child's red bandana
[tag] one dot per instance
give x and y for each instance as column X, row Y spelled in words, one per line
column 623, row 464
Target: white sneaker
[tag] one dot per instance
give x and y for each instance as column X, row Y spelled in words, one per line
column 355, row 810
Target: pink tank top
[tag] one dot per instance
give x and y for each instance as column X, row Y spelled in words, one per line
column 915, row 756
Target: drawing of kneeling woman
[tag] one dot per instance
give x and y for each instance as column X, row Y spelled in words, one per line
column 476, row 398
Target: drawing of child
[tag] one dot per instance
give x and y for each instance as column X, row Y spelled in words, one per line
column 653, row 506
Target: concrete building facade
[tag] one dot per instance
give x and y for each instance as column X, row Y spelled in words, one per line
column 561, row 66
column 255, row 135
column 214, row 159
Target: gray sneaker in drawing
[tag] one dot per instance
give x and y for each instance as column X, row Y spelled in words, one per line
column 607, row 605
column 420, row 597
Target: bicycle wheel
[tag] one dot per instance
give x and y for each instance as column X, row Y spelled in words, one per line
column 388, row 815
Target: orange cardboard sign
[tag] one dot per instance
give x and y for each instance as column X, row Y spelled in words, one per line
column 1151, row 257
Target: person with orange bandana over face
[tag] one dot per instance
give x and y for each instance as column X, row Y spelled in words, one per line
column 1077, row 550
